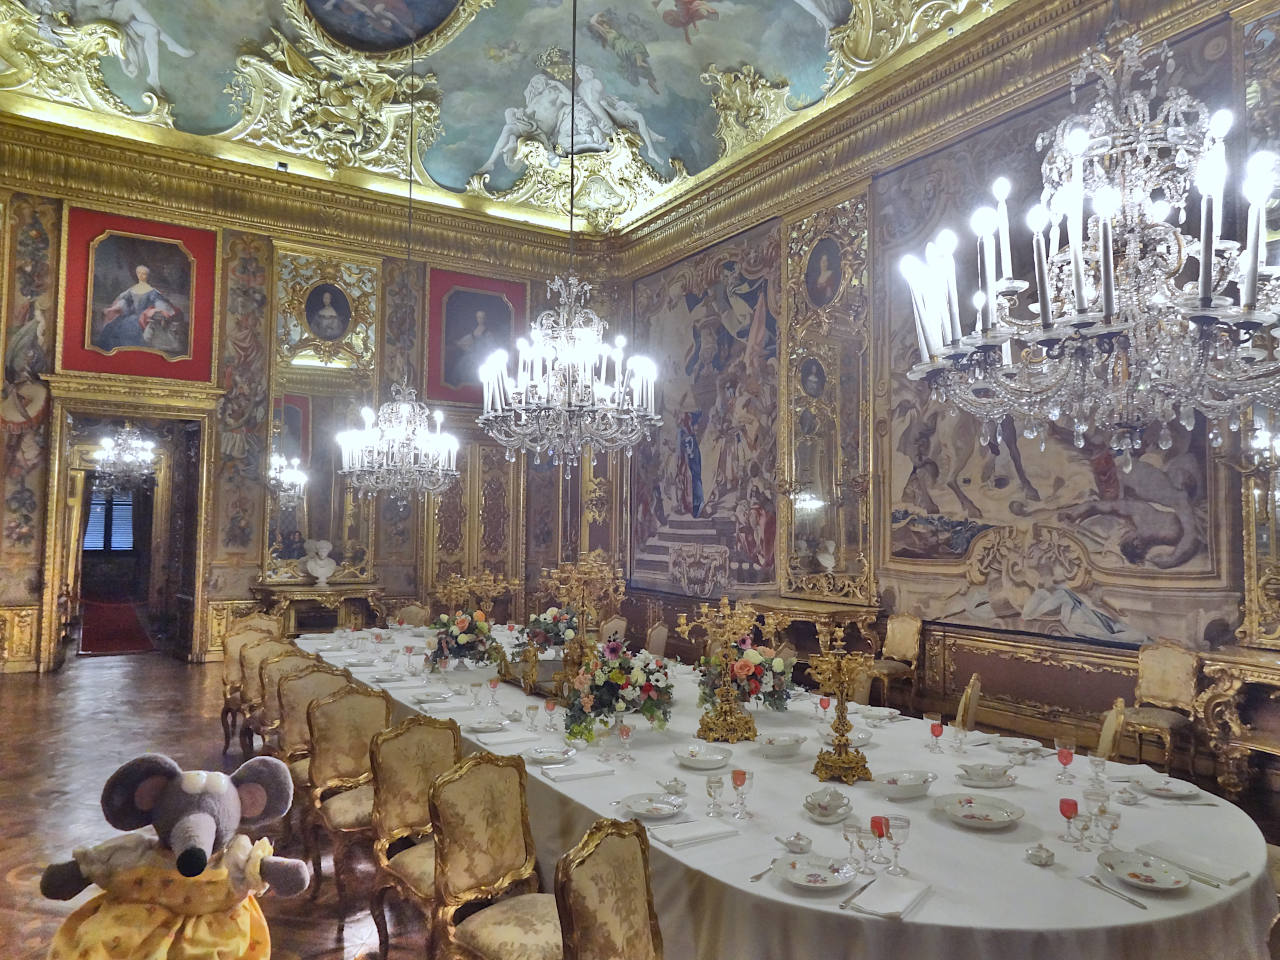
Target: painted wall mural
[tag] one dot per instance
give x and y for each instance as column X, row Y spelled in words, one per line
column 1040, row 535
column 703, row 494
column 34, row 228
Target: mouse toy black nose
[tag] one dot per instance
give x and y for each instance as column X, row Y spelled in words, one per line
column 192, row 861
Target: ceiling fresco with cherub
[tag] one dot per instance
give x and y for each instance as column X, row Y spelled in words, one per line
column 333, row 80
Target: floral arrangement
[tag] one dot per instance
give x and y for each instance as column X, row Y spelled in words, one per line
column 758, row 672
column 554, row 628
column 466, row 634
column 613, row 682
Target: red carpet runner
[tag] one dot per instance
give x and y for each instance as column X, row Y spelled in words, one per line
column 112, row 628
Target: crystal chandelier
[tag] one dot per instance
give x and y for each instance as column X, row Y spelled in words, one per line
column 125, row 462
column 571, row 389
column 396, row 451
column 287, row 481
column 1119, row 338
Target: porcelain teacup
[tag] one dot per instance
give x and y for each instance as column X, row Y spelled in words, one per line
column 796, row 843
column 986, row 772
column 828, row 802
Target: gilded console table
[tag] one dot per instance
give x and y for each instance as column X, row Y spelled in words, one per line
column 821, row 613
column 350, row 600
column 1237, row 678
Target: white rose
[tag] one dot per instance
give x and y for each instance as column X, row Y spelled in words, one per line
column 637, row 676
column 569, row 634
column 619, row 706
column 778, row 665
column 552, row 611
column 431, row 643
column 546, row 618
column 752, row 657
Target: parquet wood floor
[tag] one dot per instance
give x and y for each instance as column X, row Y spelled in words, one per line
column 62, row 735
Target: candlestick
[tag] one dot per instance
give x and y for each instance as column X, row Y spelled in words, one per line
column 984, row 222
column 1001, row 189
column 1037, row 217
column 1206, row 251
column 947, row 242
column 1107, row 202
column 913, row 271
column 1259, row 180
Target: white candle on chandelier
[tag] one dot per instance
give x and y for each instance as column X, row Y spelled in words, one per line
column 1001, row 189
column 1211, row 175
column 1037, row 220
column 1258, row 185
column 945, row 243
column 913, row 271
column 1077, row 142
column 1107, row 203
column 984, row 222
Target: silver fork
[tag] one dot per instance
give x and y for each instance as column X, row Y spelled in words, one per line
column 760, row 876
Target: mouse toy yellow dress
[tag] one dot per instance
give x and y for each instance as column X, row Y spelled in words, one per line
column 149, row 911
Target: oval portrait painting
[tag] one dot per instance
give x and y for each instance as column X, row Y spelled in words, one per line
column 380, row 26
column 822, row 272
column 813, row 378
column 328, row 312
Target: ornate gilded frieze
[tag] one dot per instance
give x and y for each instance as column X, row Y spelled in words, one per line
column 613, row 186
column 47, row 56
column 748, row 104
column 317, row 99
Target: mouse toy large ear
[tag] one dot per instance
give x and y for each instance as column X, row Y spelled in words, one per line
column 131, row 794
column 265, row 789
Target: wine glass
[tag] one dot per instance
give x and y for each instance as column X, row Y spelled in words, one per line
column 1069, row 809
column 715, row 789
column 477, row 690
column 866, row 841
column 935, row 731
column 550, row 707
column 960, row 734
column 1066, row 747
column 1110, row 823
column 899, row 828
column 742, row 780
column 493, row 694
column 825, row 703
column 1098, row 765
column 879, row 828
column 531, row 717
column 624, row 737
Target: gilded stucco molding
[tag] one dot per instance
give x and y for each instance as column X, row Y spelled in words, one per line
column 878, row 29
column 747, row 104
column 609, row 185
column 48, row 57
column 322, row 101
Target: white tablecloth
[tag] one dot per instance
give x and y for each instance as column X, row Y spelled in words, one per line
column 987, row 901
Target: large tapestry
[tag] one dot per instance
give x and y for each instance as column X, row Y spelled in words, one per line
column 33, row 225
column 1042, row 534
column 703, row 492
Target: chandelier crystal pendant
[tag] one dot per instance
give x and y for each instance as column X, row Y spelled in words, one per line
column 125, row 462
column 401, row 450
column 571, row 389
column 1123, row 338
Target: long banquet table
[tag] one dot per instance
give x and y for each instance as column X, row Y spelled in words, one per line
column 986, row 903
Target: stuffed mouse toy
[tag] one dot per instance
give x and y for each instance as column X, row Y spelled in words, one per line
column 188, row 893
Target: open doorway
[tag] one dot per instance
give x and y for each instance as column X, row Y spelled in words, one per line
column 115, row 569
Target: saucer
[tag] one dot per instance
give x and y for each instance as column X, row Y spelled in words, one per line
column 1143, row 871
column 980, row 813
column 1008, row 780
column 702, row 756
column 548, row 755
column 834, row 817
column 815, row 872
column 652, row 806
column 433, row 696
column 485, row 726
column 1166, row 788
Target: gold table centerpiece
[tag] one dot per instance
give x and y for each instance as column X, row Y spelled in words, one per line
column 836, row 672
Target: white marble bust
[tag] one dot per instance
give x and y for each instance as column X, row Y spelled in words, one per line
column 318, row 563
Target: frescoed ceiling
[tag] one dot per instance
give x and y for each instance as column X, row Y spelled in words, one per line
column 667, row 89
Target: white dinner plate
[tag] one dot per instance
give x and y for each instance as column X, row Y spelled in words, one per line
column 702, row 756
column 879, row 713
column 360, row 662
column 652, row 806
column 1143, row 871
column 1166, row 788
column 1008, row 780
column 1017, row 744
column 857, row 738
column 547, row 755
column 389, row 677
column 815, row 872
column 979, row 813
column 433, row 696
column 485, row 726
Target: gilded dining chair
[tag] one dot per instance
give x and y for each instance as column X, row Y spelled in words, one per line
column 406, row 761
column 967, row 711
column 655, row 640
column 1112, row 727
column 484, row 852
column 413, row 614
column 252, row 657
column 1164, row 699
column 295, row 694
column 342, row 726
column 604, row 896
column 234, row 642
column 265, row 721
column 863, row 679
column 615, row 628
column 898, row 654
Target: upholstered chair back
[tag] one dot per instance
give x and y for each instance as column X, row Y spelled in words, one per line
column 406, row 760
column 236, row 641
column 656, row 640
column 862, row 686
column 1167, row 675
column 342, row 726
column 1112, row 725
column 481, row 825
column 967, row 712
column 414, row 615
column 902, row 637
column 258, row 620
column 273, row 671
column 252, row 657
column 615, row 628
column 295, row 694
column 604, row 897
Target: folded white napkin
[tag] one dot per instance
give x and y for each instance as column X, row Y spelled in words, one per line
column 891, row 896
column 507, row 739
column 687, row 834
column 1181, row 857
column 580, row 770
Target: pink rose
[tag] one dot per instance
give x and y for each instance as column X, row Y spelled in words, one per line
column 588, row 702
column 742, row 669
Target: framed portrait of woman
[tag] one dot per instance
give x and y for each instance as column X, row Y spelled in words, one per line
column 327, row 311
column 140, row 297
column 470, row 318
column 822, row 272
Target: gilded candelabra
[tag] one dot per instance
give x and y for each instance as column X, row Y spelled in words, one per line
column 837, row 672
column 725, row 721
column 591, row 586
column 484, row 588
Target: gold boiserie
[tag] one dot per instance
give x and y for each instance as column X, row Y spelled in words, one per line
column 837, row 672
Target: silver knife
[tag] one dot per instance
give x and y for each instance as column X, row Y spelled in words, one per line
column 1094, row 881
column 847, row 902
